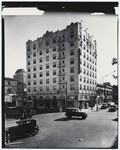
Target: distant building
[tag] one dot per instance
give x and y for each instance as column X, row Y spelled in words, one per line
column 62, row 68
column 10, row 86
column 20, row 76
column 104, row 93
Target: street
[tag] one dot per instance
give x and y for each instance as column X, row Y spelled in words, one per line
column 56, row 131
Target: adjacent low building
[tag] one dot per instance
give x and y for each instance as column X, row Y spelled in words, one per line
column 104, row 93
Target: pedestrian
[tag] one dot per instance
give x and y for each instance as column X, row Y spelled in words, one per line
column 97, row 108
column 80, row 107
column 30, row 114
column 60, row 109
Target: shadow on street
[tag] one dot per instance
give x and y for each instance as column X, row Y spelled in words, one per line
column 66, row 119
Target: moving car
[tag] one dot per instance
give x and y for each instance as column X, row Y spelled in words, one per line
column 23, row 128
column 112, row 108
column 70, row 112
column 104, row 106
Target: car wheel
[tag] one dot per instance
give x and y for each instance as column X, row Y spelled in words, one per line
column 69, row 117
column 84, row 117
column 7, row 139
column 35, row 131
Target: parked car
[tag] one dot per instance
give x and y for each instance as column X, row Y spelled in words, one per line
column 112, row 108
column 70, row 112
column 23, row 128
column 104, row 106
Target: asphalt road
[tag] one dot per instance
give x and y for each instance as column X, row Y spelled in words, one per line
column 56, row 131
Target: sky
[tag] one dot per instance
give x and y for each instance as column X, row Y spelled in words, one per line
column 18, row 29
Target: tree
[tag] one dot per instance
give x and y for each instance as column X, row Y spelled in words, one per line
column 114, row 61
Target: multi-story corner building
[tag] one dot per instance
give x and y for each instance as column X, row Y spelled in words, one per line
column 20, row 76
column 62, row 67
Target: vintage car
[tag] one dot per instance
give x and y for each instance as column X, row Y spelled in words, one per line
column 104, row 106
column 23, row 128
column 112, row 108
column 70, row 112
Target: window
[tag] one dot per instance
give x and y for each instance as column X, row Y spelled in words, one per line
column 34, row 54
column 88, row 88
column 90, row 59
column 80, row 70
column 54, row 64
column 54, row 88
column 84, row 38
column 28, row 62
column 54, row 48
column 54, row 56
column 34, row 61
column 28, row 56
column 40, row 53
column 54, row 72
column 47, row 88
column 71, row 69
column 72, row 61
column 47, row 43
column 84, row 47
column 41, row 74
column 47, row 58
column 87, row 65
column 54, row 80
column 47, row 81
column 40, row 45
column 41, row 88
column 80, row 78
column 84, row 55
column 71, row 52
column 84, row 63
column 54, row 40
column 71, row 34
column 34, row 89
column 34, row 75
column 87, row 80
column 28, row 69
column 28, row 76
column 90, row 66
column 41, row 81
column 72, row 87
column 84, row 87
column 87, row 72
column 87, row 57
column 84, row 71
column 34, row 46
column 28, row 49
column 29, row 83
column 63, row 78
column 80, row 87
column 34, row 68
column 40, row 59
column 80, row 61
column 84, row 79
column 71, row 44
column 47, row 50
column 90, row 74
column 71, row 78
column 47, row 73
column 47, row 66
column 34, row 82
column 29, row 90
column 41, row 67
